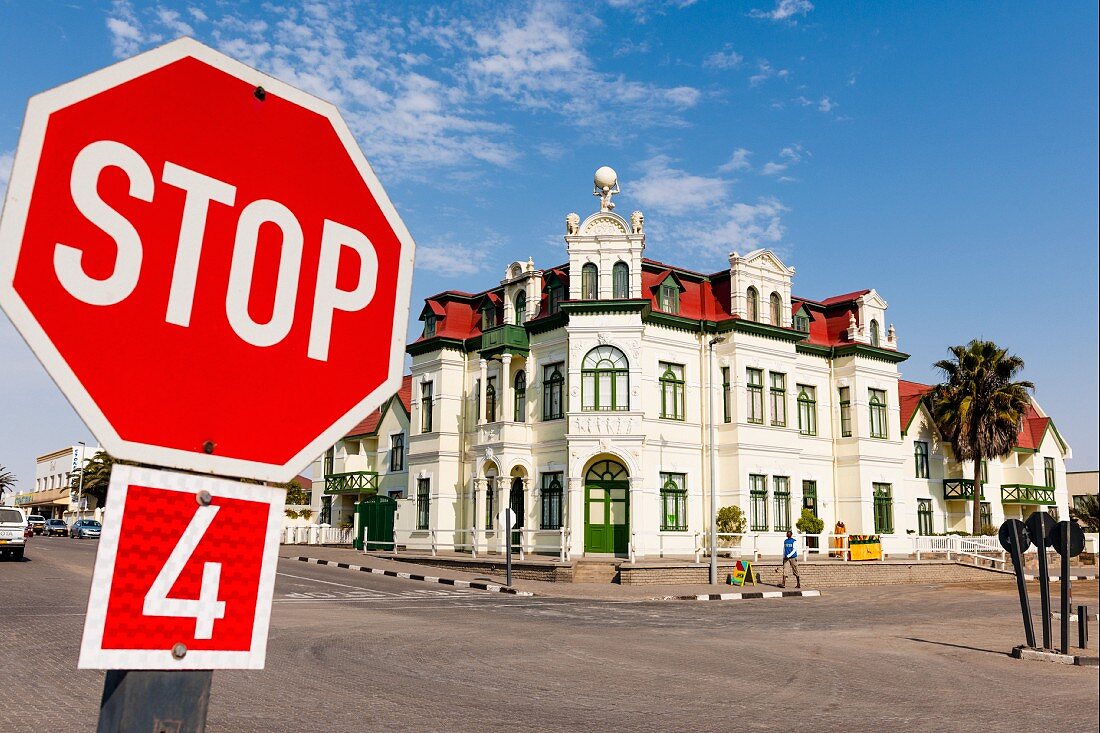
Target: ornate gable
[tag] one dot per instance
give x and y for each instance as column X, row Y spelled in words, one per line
column 604, row 222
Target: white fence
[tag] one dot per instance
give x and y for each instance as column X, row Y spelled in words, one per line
column 553, row 542
column 317, row 534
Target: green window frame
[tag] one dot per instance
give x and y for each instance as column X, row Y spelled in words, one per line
column 553, row 388
column 758, row 502
column 488, row 317
column 397, row 452
column 807, row 409
column 429, row 326
column 426, row 407
column 521, row 308
column 672, row 390
column 777, row 394
column 670, row 297
column 590, row 282
column 550, row 500
column 985, row 472
column 802, row 323
column 775, row 309
column 620, row 280
column 877, row 408
column 423, row 500
column 920, row 458
column 555, row 293
column 809, row 496
column 924, row 517
column 752, row 307
column 490, row 501
column 845, row 412
column 1053, row 512
column 491, row 399
column 755, row 395
column 673, row 502
column 727, row 411
column 884, row 508
column 605, row 380
column 519, row 392
column 781, row 495
column 1048, row 473
column 985, row 514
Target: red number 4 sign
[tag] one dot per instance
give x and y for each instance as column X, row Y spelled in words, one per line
column 184, row 574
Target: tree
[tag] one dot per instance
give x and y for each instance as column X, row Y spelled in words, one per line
column 979, row 409
column 1088, row 513
column 7, row 481
column 97, row 477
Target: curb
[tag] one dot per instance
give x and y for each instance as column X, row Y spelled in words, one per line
column 1041, row 655
column 751, row 595
column 491, row 587
column 1056, row 578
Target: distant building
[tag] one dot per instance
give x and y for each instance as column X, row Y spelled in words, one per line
column 52, row 496
column 1082, row 484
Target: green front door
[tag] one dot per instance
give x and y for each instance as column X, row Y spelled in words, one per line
column 606, row 509
column 376, row 521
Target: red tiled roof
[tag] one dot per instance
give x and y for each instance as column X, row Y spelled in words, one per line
column 305, row 482
column 1033, row 430
column 846, row 298
column 369, row 424
column 909, row 396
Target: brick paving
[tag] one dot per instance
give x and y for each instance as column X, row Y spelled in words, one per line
column 358, row 652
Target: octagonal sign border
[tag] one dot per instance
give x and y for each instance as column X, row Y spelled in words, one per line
column 14, row 218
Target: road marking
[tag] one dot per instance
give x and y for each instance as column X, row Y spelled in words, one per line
column 326, row 582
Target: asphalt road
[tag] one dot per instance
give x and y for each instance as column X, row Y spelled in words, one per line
column 359, row 652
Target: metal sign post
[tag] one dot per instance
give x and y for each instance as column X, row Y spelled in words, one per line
column 1069, row 541
column 1014, row 538
column 1040, row 525
column 507, row 521
column 166, row 701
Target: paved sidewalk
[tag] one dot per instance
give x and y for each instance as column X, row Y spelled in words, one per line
column 582, row 591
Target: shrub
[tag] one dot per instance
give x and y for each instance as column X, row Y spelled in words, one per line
column 292, row 514
column 306, row 514
column 809, row 524
column 731, row 520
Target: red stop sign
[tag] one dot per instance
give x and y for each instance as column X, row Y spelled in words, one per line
column 205, row 263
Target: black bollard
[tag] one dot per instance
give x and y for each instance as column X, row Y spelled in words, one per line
column 1039, row 526
column 1083, row 626
column 1063, row 550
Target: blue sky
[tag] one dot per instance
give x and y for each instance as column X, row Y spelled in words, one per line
column 942, row 153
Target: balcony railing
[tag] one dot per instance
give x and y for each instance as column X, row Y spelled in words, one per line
column 1026, row 494
column 959, row 488
column 353, row 482
column 506, row 337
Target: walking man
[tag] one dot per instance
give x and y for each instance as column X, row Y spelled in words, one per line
column 790, row 555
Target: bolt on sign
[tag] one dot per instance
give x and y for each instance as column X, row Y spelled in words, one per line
column 244, row 273
column 185, row 573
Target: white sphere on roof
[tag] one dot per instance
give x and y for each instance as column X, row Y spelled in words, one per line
column 605, row 177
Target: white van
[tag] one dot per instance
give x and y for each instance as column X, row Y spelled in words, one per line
column 13, row 527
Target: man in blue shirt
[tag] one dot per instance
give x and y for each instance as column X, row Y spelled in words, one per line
column 789, row 558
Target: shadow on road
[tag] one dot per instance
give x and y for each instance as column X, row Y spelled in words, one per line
column 959, row 646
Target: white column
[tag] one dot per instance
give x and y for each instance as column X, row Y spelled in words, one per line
column 507, row 411
column 573, row 514
column 481, row 392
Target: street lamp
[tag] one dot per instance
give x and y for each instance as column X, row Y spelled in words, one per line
column 80, row 489
column 713, row 464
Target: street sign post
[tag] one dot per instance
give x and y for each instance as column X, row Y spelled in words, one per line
column 507, row 520
column 1014, row 538
column 225, row 236
column 1068, row 539
column 1040, row 526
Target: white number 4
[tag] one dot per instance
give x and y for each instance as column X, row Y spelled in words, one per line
column 207, row 608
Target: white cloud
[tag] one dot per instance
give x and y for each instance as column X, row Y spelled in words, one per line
column 171, row 20
column 784, row 10
column 197, row 14
column 727, row 58
column 765, row 71
column 451, row 259
column 127, row 34
column 739, row 161
column 668, row 190
column 6, row 161
column 826, row 105
column 788, row 156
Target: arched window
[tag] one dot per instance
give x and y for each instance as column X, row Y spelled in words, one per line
column 520, row 390
column 752, row 308
column 491, row 400
column 490, row 501
column 874, row 332
column 590, row 276
column 775, row 315
column 521, row 308
column 605, row 380
column 672, row 391
column 552, row 389
column 620, row 280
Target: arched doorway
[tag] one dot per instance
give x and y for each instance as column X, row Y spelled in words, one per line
column 607, row 508
column 517, row 504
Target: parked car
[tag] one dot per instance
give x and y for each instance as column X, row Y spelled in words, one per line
column 56, row 526
column 85, row 528
column 13, row 532
column 37, row 523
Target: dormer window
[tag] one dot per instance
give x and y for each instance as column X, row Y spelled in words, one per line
column 802, row 323
column 554, row 295
column 488, row 317
column 521, row 308
column 429, row 326
column 670, row 297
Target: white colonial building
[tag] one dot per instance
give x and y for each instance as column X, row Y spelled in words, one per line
column 578, row 395
column 53, row 495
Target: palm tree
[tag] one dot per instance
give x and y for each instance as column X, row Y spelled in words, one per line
column 7, row 481
column 979, row 409
column 97, row 477
column 1088, row 513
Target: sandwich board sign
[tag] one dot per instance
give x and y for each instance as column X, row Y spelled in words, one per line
column 224, row 233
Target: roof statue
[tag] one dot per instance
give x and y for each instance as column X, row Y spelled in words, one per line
column 605, row 184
